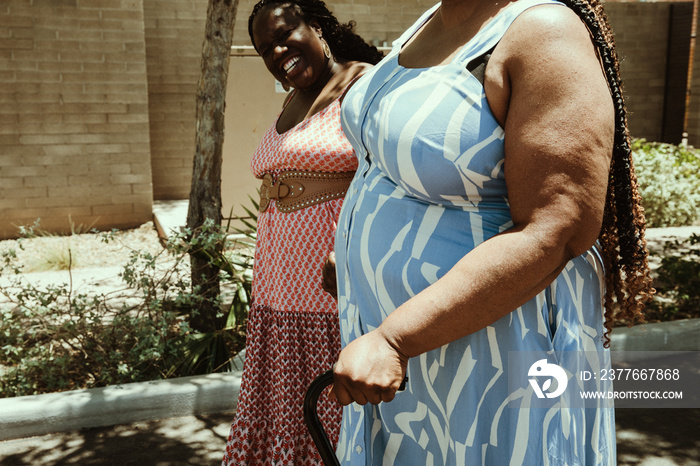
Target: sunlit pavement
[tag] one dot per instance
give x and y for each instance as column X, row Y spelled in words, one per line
column 645, row 437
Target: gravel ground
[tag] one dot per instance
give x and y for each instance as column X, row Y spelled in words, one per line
column 88, row 250
column 95, row 264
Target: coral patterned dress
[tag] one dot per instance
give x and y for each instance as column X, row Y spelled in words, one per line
column 293, row 330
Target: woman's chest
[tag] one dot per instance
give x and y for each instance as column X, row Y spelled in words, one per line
column 316, row 144
column 429, row 130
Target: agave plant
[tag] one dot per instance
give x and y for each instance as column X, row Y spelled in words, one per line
column 207, row 352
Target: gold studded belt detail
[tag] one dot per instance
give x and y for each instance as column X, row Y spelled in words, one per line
column 294, row 190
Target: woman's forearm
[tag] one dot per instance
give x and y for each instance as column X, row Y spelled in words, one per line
column 494, row 279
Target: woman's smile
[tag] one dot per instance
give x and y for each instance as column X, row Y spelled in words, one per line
column 290, row 65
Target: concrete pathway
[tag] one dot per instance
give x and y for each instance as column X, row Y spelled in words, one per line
column 655, row 437
column 195, row 440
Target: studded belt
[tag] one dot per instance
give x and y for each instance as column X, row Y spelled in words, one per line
column 294, row 190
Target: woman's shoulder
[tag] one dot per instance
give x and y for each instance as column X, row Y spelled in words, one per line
column 357, row 67
column 546, row 19
column 549, row 30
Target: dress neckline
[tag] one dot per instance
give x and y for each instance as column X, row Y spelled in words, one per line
column 301, row 123
column 427, row 16
column 420, row 24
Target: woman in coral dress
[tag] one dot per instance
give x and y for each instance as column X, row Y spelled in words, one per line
column 305, row 163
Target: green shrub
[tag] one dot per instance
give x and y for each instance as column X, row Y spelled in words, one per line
column 669, row 182
column 678, row 281
column 54, row 339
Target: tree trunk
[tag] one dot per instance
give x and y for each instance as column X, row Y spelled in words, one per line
column 205, row 194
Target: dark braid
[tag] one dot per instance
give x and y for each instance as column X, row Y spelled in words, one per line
column 344, row 43
column 625, row 256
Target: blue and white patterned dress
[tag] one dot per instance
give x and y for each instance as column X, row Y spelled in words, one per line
column 429, row 188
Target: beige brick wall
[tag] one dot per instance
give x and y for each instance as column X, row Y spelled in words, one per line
column 97, row 100
column 641, row 33
column 74, row 139
column 378, row 21
column 251, row 105
column 174, row 36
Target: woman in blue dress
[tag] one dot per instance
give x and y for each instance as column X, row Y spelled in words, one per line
column 492, row 226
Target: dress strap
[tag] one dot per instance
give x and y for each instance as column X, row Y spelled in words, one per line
column 288, row 98
column 489, row 36
column 348, row 86
column 408, row 33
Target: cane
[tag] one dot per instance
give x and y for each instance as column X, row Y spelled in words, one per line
column 313, row 423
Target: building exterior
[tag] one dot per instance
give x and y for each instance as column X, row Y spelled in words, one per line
column 97, row 99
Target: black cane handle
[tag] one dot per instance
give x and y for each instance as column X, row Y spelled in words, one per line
column 313, row 423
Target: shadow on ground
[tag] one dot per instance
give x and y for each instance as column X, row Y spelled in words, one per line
column 645, row 437
column 658, row 436
column 195, row 440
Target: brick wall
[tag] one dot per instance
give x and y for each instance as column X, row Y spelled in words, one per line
column 98, row 96
column 174, row 36
column 378, row 21
column 74, row 139
column 641, row 34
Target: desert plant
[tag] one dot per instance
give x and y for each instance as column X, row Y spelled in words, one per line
column 210, row 351
column 669, row 182
column 54, row 339
column 58, row 256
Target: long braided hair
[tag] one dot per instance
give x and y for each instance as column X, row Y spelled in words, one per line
column 345, row 44
column 628, row 285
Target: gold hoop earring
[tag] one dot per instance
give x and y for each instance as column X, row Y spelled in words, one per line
column 326, row 49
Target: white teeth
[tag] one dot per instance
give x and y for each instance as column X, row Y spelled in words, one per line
column 290, row 64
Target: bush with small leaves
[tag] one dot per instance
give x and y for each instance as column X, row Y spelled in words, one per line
column 678, row 281
column 669, row 183
column 53, row 339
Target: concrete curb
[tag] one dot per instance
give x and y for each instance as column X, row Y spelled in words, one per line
column 677, row 335
column 29, row 416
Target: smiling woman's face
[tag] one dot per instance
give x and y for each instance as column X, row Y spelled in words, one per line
column 291, row 48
